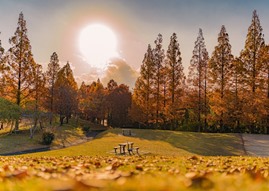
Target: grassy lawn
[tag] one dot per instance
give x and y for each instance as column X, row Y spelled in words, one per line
column 208, row 144
column 156, row 142
column 18, row 142
column 66, row 135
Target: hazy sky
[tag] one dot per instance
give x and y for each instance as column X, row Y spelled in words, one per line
column 54, row 26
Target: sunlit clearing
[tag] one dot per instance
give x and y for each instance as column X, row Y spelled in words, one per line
column 98, row 44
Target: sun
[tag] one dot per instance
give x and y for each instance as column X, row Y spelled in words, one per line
column 98, row 44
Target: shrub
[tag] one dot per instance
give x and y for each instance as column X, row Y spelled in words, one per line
column 86, row 128
column 47, row 138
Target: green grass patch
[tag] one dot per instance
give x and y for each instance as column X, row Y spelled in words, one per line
column 19, row 141
column 66, row 135
column 207, row 144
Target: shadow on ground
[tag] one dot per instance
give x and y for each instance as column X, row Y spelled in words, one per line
column 206, row 144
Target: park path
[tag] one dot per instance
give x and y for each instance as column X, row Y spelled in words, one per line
column 256, row 145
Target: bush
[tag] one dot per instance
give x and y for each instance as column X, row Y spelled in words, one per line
column 85, row 128
column 47, row 138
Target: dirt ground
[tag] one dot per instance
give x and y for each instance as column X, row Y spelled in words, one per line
column 256, row 145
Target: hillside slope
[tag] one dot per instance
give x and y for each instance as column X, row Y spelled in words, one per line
column 157, row 142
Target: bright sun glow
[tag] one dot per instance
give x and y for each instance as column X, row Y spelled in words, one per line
column 98, row 44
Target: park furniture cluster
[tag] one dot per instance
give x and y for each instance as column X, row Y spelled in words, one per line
column 123, row 148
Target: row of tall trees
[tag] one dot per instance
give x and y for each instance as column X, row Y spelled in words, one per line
column 40, row 95
column 221, row 93
column 159, row 89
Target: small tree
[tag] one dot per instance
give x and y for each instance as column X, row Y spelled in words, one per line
column 66, row 93
column 9, row 112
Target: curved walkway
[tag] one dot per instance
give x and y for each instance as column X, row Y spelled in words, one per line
column 256, row 145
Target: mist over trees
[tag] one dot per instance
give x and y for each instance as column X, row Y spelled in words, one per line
column 220, row 93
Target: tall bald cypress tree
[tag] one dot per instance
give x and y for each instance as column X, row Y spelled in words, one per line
column 251, row 72
column 174, row 76
column 20, row 65
column 143, row 91
column 51, row 74
column 220, row 66
column 198, row 79
column 265, row 86
column 250, row 54
column 158, row 57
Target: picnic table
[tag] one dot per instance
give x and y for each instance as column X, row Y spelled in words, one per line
column 127, row 132
column 123, row 150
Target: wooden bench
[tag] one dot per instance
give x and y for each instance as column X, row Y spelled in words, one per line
column 131, row 151
column 130, row 147
column 116, row 148
column 137, row 148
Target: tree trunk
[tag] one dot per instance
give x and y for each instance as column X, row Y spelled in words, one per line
column 222, row 89
column 267, row 100
column 237, row 121
column 51, row 118
column 205, row 97
column 16, row 125
column 18, row 96
column 199, row 92
column 40, row 124
column 62, row 120
column 147, row 100
column 51, row 107
column 11, row 126
column 158, row 99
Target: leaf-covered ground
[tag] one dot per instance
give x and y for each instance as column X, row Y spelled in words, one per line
column 168, row 161
column 133, row 173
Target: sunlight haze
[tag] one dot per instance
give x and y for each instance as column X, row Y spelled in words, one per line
column 98, row 44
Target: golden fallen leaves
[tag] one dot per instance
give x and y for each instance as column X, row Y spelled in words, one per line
column 132, row 173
